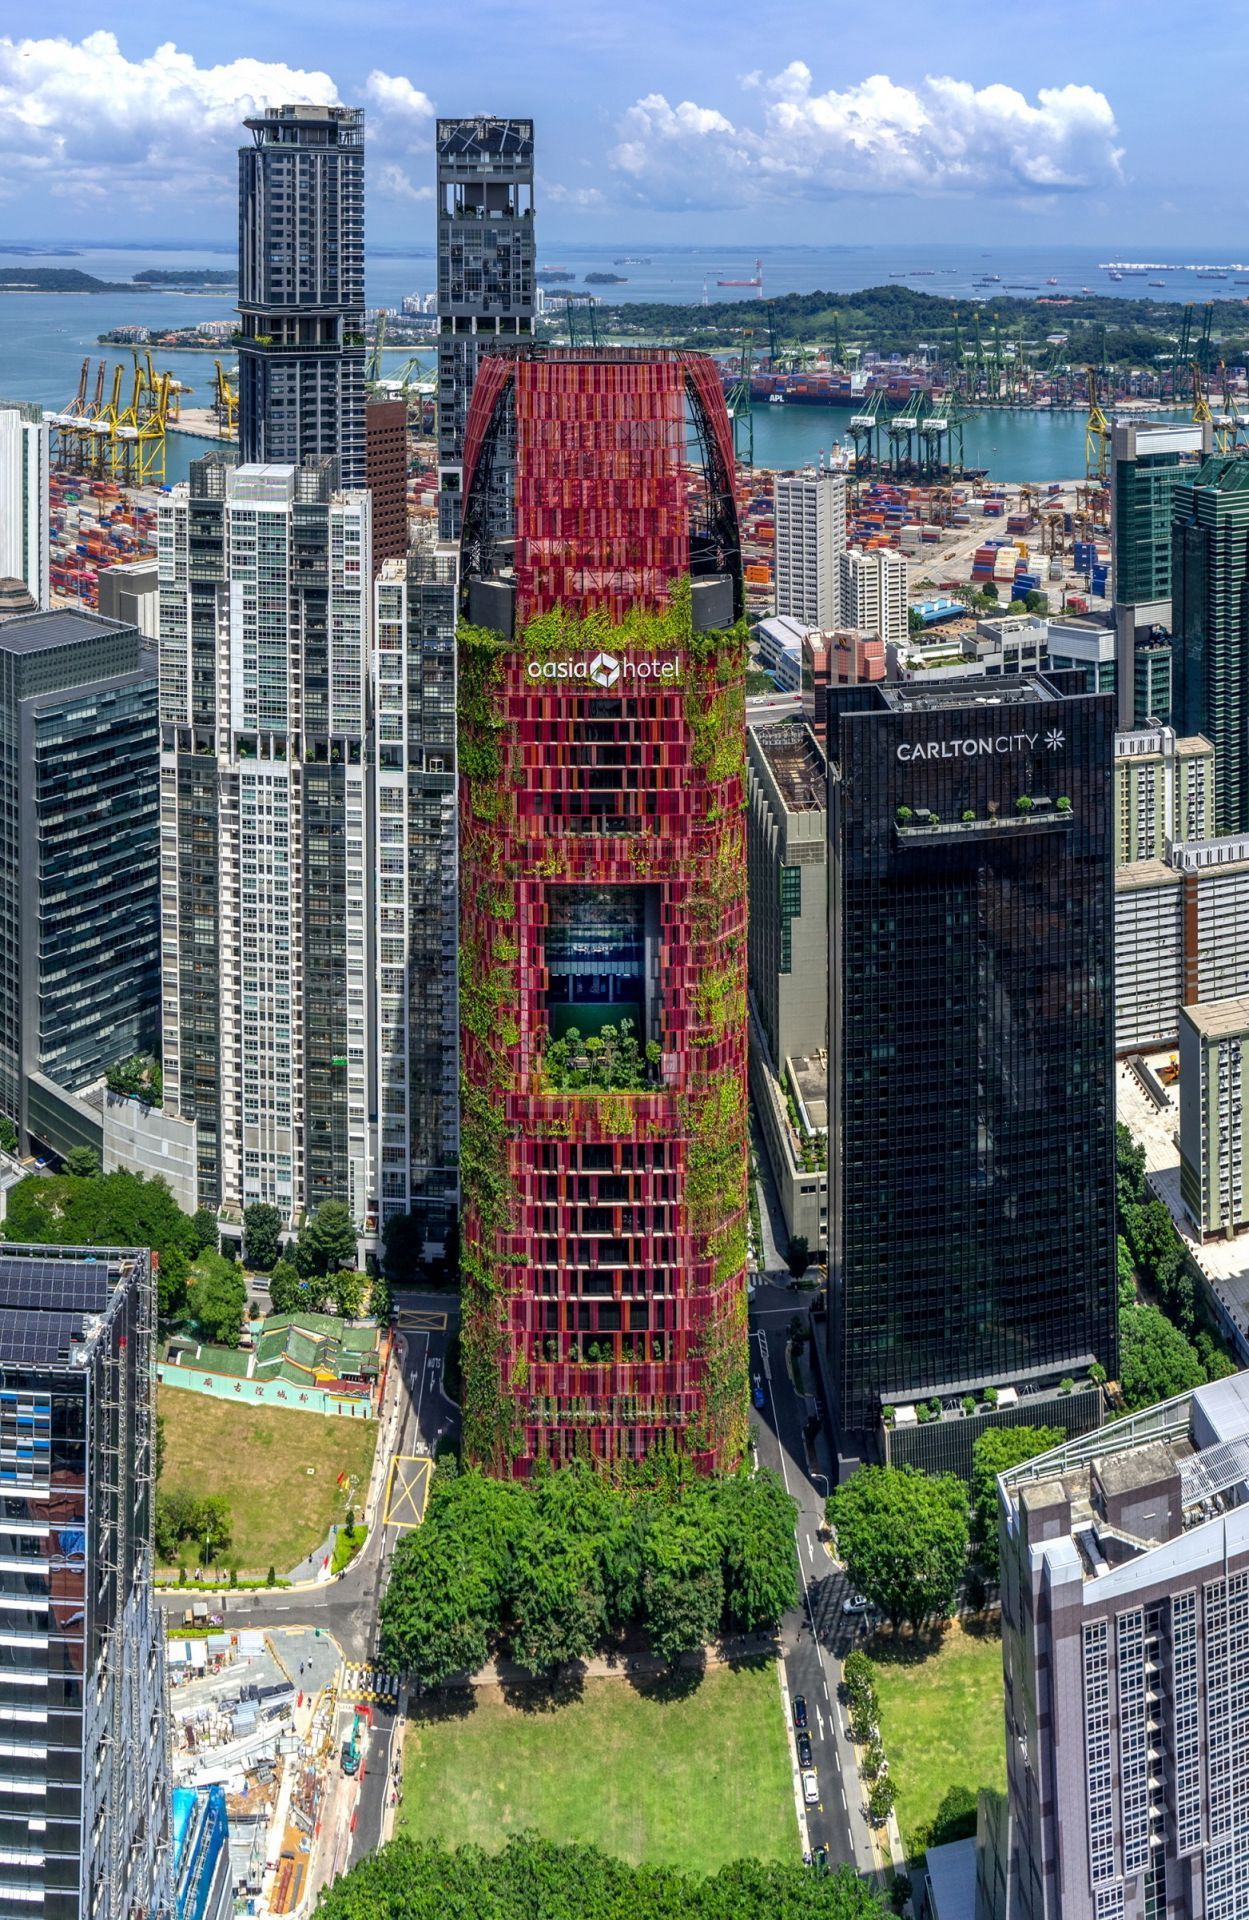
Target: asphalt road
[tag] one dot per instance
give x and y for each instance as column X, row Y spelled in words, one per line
column 817, row 1632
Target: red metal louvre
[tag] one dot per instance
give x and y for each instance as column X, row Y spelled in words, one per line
column 601, row 514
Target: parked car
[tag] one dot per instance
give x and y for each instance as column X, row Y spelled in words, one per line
column 800, row 1711
column 810, row 1787
column 855, row 1603
column 804, row 1749
column 819, row 1859
column 757, row 1395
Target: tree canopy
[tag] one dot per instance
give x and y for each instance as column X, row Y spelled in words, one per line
column 262, row 1235
column 327, row 1240
column 216, row 1297
column 112, row 1210
column 550, row 1570
column 534, row 1879
column 1155, row 1359
column 993, row 1451
column 903, row 1537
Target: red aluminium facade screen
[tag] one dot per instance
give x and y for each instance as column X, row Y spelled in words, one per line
column 601, row 788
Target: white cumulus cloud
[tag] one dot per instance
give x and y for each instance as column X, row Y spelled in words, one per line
column 83, row 121
column 876, row 136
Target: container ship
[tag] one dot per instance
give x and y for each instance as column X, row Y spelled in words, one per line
column 832, row 389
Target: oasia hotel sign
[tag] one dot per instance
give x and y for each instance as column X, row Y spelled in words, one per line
column 1053, row 740
column 604, row 670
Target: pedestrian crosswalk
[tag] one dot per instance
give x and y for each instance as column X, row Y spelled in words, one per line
column 363, row 1681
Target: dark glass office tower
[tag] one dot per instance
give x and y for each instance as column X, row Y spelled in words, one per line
column 301, row 288
column 79, row 858
column 84, row 1783
column 485, row 275
column 971, row 1094
column 1210, row 648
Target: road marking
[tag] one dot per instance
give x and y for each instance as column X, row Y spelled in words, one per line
column 418, row 1320
column 408, row 1490
column 810, row 1548
column 819, row 1721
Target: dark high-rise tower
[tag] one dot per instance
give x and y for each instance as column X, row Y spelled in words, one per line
column 603, row 918
column 971, row 1054
column 301, row 288
column 485, row 274
column 1210, row 600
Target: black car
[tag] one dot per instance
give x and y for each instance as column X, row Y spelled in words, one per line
column 804, row 1750
column 800, row 1711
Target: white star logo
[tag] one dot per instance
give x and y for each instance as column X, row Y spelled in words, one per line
column 1055, row 739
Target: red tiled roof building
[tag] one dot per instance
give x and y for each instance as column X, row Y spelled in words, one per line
column 603, row 917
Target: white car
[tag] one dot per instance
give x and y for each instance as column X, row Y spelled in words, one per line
column 855, row 1603
column 810, row 1787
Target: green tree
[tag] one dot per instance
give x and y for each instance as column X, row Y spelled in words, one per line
column 286, row 1289
column 993, row 1451
column 682, row 1578
column 82, row 1163
column 534, row 1879
column 116, row 1210
column 327, row 1240
column 798, row 1254
column 348, row 1291
column 172, row 1270
column 557, row 1603
column 204, row 1228
column 215, row 1529
column 217, row 1299
column 756, row 1524
column 1155, row 1360
column 8, row 1134
column 449, row 1577
column 903, row 1537
column 262, row 1235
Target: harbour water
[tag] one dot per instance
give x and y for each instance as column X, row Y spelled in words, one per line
column 44, row 337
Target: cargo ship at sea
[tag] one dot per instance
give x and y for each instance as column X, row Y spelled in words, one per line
column 833, row 389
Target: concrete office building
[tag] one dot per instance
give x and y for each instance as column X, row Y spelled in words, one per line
column 485, row 279
column 24, row 547
column 84, row 1789
column 873, row 592
column 1181, row 937
column 971, row 931
column 301, row 288
column 267, row 834
column 79, row 861
column 1148, row 458
column 131, row 593
column 1164, row 791
column 417, row 893
column 1084, row 647
column 810, row 510
column 1210, row 600
column 787, row 869
column 841, row 659
column 1125, row 1631
column 778, row 644
column 1214, row 1065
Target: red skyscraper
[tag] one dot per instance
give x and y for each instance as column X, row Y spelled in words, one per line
column 603, row 915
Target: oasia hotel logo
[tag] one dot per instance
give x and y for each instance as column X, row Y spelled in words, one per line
column 604, row 670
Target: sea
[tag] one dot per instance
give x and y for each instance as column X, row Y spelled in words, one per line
column 44, row 337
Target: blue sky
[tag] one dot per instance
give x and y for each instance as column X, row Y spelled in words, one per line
column 1101, row 123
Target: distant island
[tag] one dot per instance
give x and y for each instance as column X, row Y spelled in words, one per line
column 58, row 280
column 37, row 253
column 186, row 277
column 606, row 279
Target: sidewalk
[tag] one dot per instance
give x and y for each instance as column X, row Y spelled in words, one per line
column 506, row 1673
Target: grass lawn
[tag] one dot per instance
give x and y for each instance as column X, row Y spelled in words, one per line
column 258, row 1458
column 691, row 1781
column 941, row 1720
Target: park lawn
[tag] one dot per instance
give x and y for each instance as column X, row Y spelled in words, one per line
column 689, row 1781
column 941, row 1720
column 258, row 1459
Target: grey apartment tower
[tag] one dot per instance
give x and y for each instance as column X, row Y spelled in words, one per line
column 971, row 1153
column 301, row 288
column 84, row 1785
column 79, row 859
column 1125, row 1642
column 485, row 274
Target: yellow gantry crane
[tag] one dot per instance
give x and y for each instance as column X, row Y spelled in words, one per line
column 226, row 401
column 1224, row 427
column 1096, row 433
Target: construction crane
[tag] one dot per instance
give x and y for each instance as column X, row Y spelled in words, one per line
column 225, row 401
column 1223, row 428
column 741, row 412
column 865, row 428
column 904, row 427
column 1205, row 345
column 583, row 330
column 373, row 366
column 1096, row 433
column 1182, row 350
